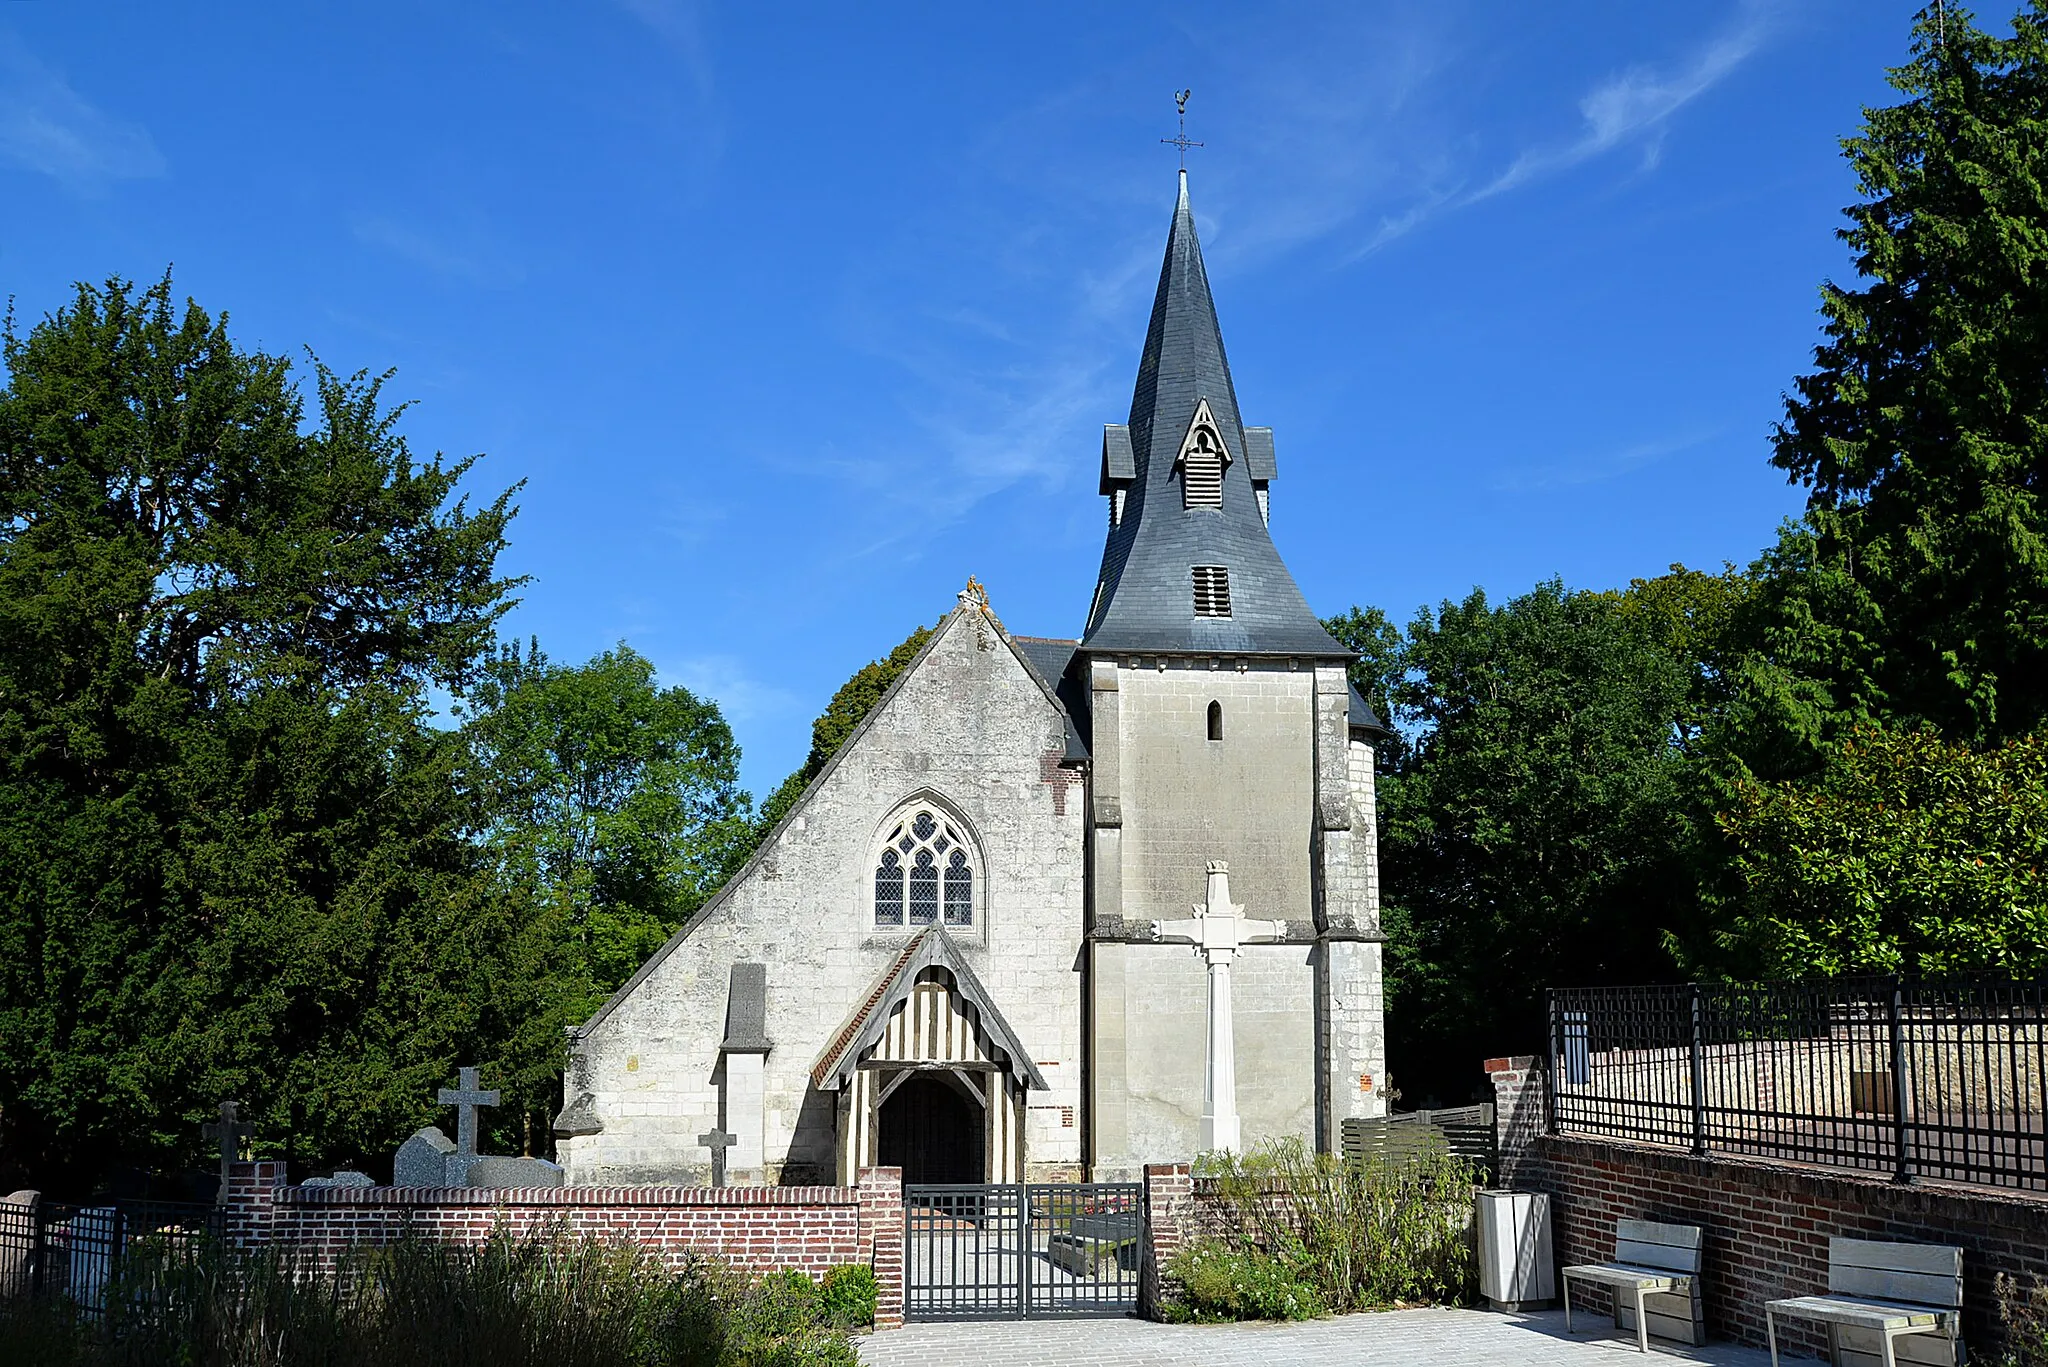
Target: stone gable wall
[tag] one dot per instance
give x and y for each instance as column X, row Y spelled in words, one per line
column 968, row 726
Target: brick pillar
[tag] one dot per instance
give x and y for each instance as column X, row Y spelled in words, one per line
column 1521, row 1107
column 1168, row 1188
column 881, row 1234
column 247, row 1201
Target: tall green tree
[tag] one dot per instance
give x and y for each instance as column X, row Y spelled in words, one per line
column 1904, row 854
column 612, row 809
column 1531, row 832
column 847, row 710
column 232, row 857
column 1917, row 587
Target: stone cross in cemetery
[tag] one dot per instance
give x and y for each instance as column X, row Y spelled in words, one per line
column 230, row 1131
column 1217, row 929
column 467, row 1099
column 718, row 1141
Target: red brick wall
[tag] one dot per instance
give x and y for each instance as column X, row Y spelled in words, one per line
column 1767, row 1223
column 1170, row 1221
column 757, row 1228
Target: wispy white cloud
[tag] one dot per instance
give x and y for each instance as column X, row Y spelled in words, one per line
column 679, row 26
column 49, row 128
column 1637, row 102
column 474, row 262
column 1594, row 467
column 740, row 694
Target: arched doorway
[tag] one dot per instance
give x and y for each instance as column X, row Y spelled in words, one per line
column 933, row 1130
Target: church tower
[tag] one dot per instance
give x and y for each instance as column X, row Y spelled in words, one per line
column 1222, row 730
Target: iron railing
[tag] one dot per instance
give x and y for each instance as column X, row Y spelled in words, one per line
column 1944, row 1080
column 76, row 1252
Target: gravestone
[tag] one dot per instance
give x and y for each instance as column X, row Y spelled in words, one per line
column 17, row 1240
column 467, row 1098
column 422, row 1160
column 229, row 1132
column 718, row 1141
column 341, row 1179
column 506, row 1174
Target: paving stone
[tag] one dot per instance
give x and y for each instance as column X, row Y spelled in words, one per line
column 1397, row 1338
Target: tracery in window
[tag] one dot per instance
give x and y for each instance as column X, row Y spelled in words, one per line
column 923, row 875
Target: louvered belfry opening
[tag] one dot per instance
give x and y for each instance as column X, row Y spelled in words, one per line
column 1212, row 591
column 1202, row 471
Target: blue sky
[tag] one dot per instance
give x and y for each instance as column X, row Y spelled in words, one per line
column 791, row 317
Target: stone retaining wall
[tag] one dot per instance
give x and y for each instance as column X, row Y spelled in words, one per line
column 756, row 1228
column 1767, row 1223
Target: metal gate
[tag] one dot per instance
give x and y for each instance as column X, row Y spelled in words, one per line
column 1002, row 1251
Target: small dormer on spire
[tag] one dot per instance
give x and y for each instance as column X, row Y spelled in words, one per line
column 1201, row 461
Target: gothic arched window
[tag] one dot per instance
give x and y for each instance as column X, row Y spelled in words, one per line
column 924, row 874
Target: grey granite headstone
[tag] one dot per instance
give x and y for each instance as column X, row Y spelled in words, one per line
column 422, row 1160
column 340, row 1179
column 504, row 1174
column 18, row 1220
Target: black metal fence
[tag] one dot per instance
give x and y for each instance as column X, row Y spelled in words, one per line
column 78, row 1251
column 1943, row 1080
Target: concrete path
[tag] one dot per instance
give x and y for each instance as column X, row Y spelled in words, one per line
column 1396, row 1338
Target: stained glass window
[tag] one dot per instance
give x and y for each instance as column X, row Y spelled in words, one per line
column 959, row 890
column 923, row 866
column 889, row 890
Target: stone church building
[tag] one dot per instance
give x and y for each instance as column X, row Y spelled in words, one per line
column 947, row 956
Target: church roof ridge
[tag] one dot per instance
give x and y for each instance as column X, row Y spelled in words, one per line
column 1144, row 596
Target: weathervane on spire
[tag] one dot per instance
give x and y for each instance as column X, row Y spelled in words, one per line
column 1183, row 142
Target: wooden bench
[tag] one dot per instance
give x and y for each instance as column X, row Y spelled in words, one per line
column 1658, row 1266
column 1886, row 1303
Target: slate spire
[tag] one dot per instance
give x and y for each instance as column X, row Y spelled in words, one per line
column 1146, row 595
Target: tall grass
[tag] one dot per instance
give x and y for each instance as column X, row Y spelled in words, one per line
column 1291, row 1233
column 520, row 1302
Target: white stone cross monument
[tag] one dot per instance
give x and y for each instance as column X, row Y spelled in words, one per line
column 1217, row 929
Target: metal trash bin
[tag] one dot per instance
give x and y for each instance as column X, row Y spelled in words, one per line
column 1516, row 1269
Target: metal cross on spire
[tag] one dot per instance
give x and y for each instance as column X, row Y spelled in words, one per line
column 1183, row 142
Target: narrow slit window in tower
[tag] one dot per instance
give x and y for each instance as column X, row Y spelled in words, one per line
column 1215, row 721
column 1212, row 591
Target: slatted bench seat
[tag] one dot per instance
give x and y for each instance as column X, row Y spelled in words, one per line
column 1655, row 1277
column 1886, row 1304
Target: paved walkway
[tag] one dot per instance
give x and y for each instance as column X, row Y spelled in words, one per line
column 1397, row 1338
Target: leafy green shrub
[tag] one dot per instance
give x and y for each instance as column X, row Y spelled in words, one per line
column 1360, row 1236
column 849, row 1294
column 2022, row 1321
column 1219, row 1282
